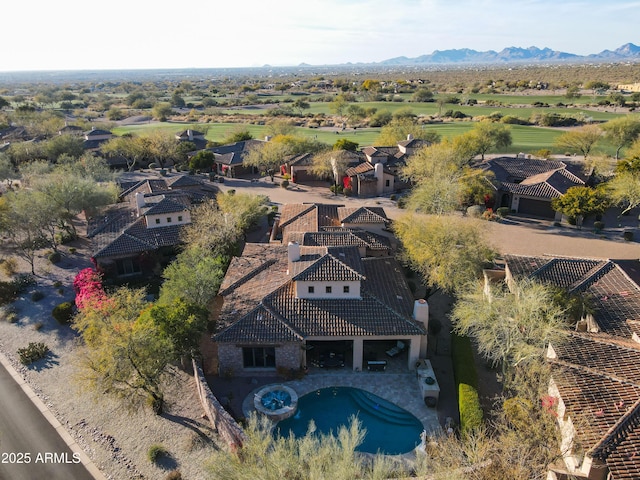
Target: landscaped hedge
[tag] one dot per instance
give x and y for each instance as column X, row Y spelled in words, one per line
column 464, row 371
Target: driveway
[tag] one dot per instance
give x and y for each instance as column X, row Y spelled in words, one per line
column 515, row 235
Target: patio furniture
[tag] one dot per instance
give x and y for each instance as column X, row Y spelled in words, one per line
column 377, row 365
column 397, row 350
column 333, row 360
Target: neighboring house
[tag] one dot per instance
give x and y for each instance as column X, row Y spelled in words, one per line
column 230, row 158
column 71, row 130
column 298, row 167
column 139, row 235
column 96, row 137
column 379, row 173
column 527, row 185
column 193, row 136
column 314, row 217
column 281, row 304
column 595, row 386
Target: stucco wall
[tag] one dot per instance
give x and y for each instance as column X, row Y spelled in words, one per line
column 288, row 355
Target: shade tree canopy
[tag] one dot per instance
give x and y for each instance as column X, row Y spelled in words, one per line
column 448, row 251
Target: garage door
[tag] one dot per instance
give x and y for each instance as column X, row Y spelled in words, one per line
column 537, row 208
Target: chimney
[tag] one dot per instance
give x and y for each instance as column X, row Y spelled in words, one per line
column 190, row 134
column 409, row 137
column 267, row 138
column 378, row 172
column 293, row 250
column 140, row 203
column 421, row 312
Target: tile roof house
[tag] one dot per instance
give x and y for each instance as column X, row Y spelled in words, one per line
column 280, row 304
column 527, row 185
column 193, row 136
column 96, row 137
column 596, row 371
column 139, row 234
column 229, row 158
column 313, row 217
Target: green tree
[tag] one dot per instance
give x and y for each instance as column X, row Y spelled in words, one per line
column 161, row 111
column 580, row 202
column 380, row 118
column 510, row 326
column 115, row 114
column 422, row 95
column 486, row 136
column 332, row 164
column 133, row 149
column 3, row 103
column 203, row 160
column 195, row 275
column 448, row 251
column 622, row 132
column 21, row 222
column 581, row 140
column 180, row 322
column 269, row 156
column 122, row 356
column 300, row 105
column 355, row 113
column 71, row 145
column 344, row 144
column 338, row 105
column 218, row 226
column 69, row 195
column 239, row 134
column 624, row 190
column 177, row 100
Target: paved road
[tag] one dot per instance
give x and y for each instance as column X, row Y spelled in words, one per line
column 25, row 431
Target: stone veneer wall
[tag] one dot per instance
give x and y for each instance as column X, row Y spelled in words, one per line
column 288, row 355
column 220, row 419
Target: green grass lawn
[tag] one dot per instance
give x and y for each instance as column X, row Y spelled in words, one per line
column 525, row 139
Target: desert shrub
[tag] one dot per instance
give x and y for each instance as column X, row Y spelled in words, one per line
column 57, row 284
column 23, row 281
column 54, row 257
column 347, row 192
column 64, row 237
column 503, row 212
column 284, row 183
column 63, row 312
column 38, row 326
column 392, row 197
column 627, row 235
column 32, row 352
column 155, row 452
column 598, row 226
column 9, row 314
column 8, row 292
column 73, row 250
column 466, row 378
column 475, row 211
column 9, row 266
column 173, row 475
column 37, row 296
column 489, row 215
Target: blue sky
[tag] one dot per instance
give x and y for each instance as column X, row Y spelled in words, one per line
column 75, row 34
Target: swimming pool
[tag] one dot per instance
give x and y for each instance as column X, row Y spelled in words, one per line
column 389, row 428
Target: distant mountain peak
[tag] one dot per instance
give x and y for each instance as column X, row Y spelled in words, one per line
column 533, row 54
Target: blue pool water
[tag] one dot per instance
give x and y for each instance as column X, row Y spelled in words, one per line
column 389, row 428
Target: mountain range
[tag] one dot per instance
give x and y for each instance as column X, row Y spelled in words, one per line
column 627, row 52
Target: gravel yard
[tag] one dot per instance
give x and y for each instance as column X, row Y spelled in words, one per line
column 115, row 439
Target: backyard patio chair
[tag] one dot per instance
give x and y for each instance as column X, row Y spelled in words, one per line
column 397, row 350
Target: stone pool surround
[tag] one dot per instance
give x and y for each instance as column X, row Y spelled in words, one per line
column 278, row 414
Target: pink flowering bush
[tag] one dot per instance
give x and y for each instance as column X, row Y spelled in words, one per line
column 88, row 288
